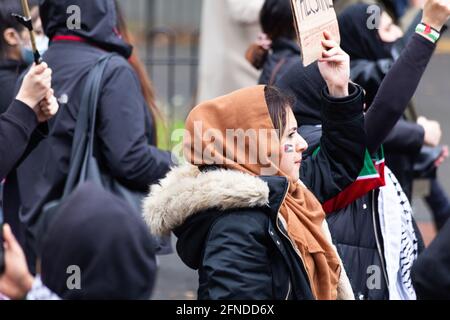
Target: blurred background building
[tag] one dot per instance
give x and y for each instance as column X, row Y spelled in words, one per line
column 181, row 15
column 167, row 32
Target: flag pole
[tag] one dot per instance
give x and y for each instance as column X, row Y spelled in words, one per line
column 25, row 20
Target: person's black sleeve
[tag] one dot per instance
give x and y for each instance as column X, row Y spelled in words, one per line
column 122, row 131
column 405, row 137
column 235, row 259
column 16, row 128
column 342, row 146
column 369, row 74
column 396, row 90
column 40, row 132
column 38, row 135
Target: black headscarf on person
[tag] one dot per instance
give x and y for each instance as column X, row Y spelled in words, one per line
column 305, row 84
column 110, row 244
column 98, row 23
column 359, row 41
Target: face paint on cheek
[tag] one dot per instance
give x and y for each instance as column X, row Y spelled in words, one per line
column 289, row 148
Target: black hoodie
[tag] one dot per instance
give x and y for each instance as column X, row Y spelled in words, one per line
column 98, row 22
column 124, row 122
column 109, row 243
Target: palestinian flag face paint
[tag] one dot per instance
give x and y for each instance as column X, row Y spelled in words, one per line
column 289, row 148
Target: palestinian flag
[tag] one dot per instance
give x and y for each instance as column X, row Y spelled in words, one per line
column 370, row 178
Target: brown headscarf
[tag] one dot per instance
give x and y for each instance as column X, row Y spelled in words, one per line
column 206, row 142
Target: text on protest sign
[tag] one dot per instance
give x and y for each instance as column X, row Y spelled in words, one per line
column 312, row 18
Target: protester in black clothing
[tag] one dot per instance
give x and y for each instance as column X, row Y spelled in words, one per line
column 431, row 272
column 114, row 264
column 124, row 124
column 9, row 72
column 15, row 47
column 34, row 104
column 19, row 125
column 357, row 228
column 372, row 53
column 15, row 56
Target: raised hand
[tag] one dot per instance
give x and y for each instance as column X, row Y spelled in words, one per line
column 16, row 281
column 35, row 85
column 436, row 13
column 335, row 67
column 433, row 132
column 47, row 108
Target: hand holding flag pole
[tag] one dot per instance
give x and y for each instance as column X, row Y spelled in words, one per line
column 25, row 20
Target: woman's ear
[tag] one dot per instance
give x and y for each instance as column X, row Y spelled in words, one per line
column 11, row 37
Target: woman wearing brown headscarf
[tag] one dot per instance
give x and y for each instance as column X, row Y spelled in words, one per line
column 244, row 213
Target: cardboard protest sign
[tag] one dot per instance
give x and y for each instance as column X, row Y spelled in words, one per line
column 312, row 18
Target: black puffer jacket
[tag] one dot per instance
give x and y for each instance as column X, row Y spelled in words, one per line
column 356, row 233
column 227, row 222
column 355, row 229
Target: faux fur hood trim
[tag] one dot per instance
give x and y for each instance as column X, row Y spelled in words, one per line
column 186, row 191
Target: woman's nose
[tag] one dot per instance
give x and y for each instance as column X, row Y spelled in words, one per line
column 302, row 146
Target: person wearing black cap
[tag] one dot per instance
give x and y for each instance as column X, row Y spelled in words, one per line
column 98, row 235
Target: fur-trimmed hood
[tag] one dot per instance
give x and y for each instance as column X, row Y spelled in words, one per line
column 186, row 191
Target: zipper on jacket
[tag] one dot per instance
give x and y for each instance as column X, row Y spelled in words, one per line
column 289, row 291
column 292, row 244
column 378, row 241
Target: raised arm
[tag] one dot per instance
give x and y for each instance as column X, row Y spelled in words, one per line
column 34, row 104
column 342, row 146
column 401, row 82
